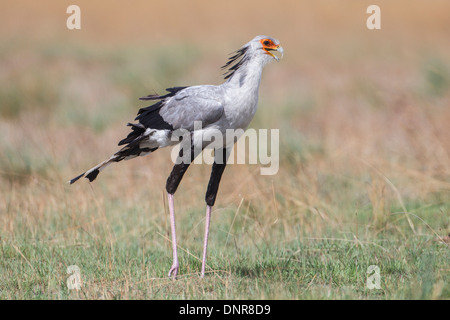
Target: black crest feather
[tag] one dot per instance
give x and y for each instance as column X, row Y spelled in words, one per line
column 235, row 62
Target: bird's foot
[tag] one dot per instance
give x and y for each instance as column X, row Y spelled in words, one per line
column 174, row 271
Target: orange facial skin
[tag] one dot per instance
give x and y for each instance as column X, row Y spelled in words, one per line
column 268, row 45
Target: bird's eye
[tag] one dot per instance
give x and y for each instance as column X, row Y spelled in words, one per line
column 266, row 42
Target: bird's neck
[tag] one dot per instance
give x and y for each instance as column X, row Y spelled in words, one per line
column 248, row 77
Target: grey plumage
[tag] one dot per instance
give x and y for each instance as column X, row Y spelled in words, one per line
column 198, row 103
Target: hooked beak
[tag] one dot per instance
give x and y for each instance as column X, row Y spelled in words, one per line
column 278, row 49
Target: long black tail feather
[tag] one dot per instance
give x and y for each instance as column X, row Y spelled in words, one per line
column 148, row 118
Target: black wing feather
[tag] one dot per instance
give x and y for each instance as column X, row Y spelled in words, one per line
column 149, row 117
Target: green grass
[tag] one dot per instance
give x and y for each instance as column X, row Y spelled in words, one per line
column 124, row 252
column 309, row 269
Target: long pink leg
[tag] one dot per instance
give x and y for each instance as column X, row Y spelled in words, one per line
column 174, row 269
column 205, row 243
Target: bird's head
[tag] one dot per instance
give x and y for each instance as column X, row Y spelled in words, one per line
column 266, row 46
column 260, row 49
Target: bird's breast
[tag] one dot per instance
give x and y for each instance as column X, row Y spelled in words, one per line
column 240, row 110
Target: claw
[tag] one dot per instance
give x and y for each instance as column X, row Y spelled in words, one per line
column 173, row 271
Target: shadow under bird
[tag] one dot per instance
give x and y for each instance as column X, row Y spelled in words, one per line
column 230, row 105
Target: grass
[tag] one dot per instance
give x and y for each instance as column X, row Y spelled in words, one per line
column 283, row 252
column 306, row 269
column 364, row 163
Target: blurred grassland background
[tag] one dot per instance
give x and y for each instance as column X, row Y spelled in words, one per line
column 364, row 173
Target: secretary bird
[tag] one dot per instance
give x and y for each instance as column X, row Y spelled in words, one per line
column 230, row 105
